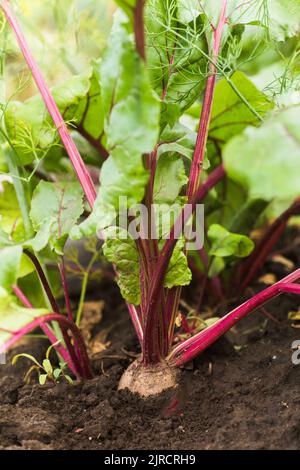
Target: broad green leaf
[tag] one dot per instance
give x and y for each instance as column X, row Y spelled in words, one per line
column 188, row 10
column 26, row 267
column 237, row 12
column 178, row 139
column 131, row 124
column 265, row 160
column 115, row 184
column 10, row 266
column 4, row 237
column 123, row 253
column 30, row 128
column 13, row 317
column 2, row 92
column 169, row 179
column 230, row 115
column 283, row 18
column 225, row 243
column 11, row 221
column 55, row 208
column 3, row 150
column 131, row 109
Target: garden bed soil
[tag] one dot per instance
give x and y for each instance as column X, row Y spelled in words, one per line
column 243, row 393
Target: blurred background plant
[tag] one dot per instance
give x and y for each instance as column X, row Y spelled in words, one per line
column 63, row 35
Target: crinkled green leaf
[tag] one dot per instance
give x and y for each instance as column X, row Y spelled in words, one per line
column 10, row 265
column 179, row 273
column 225, row 243
column 55, row 208
column 265, row 160
column 30, row 128
column 13, row 317
column 121, row 250
column 123, row 253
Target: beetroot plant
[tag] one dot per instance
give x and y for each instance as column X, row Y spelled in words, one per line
column 191, row 156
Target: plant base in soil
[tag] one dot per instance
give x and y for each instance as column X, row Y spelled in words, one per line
column 148, row 381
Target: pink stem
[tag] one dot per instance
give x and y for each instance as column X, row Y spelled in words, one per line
column 136, row 322
column 165, row 256
column 190, row 348
column 198, row 159
column 201, row 143
column 291, row 288
column 81, row 171
column 43, row 279
column 63, row 277
column 139, row 30
column 60, row 349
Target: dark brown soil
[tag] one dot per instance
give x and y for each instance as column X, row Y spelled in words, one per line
column 245, row 397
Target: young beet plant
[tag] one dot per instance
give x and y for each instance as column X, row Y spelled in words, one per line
column 136, row 107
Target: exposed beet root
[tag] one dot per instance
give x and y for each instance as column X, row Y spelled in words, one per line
column 148, row 381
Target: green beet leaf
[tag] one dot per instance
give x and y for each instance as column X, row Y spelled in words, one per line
column 10, row 266
column 11, row 222
column 230, row 115
column 283, row 18
column 131, row 109
column 225, row 243
column 121, row 250
column 55, row 208
column 178, row 274
column 131, row 123
column 30, row 128
column 265, row 160
column 169, row 179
